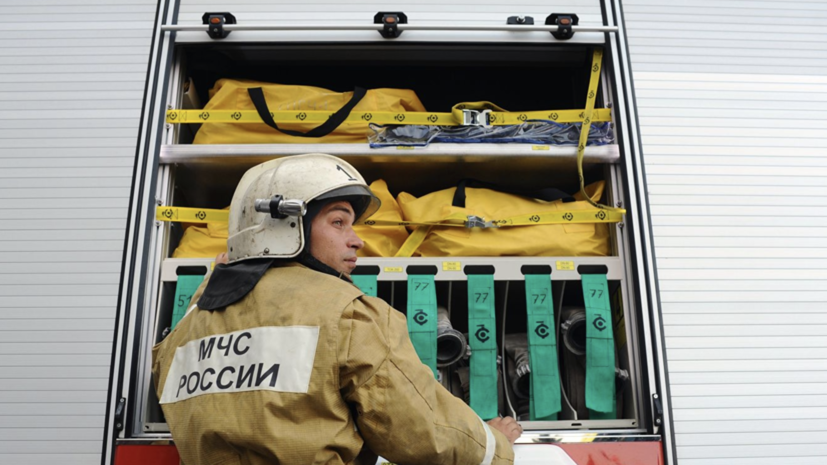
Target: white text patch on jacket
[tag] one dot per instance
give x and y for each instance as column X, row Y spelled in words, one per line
column 269, row 358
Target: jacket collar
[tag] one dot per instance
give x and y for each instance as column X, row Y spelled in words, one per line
column 230, row 283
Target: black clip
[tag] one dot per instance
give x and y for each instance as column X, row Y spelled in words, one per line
column 564, row 22
column 658, row 409
column 521, row 20
column 120, row 409
column 391, row 22
column 216, row 22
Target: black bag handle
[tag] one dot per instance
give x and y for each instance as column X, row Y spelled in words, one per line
column 335, row 120
column 549, row 194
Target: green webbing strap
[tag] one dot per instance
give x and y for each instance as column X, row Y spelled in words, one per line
column 422, row 317
column 542, row 348
column 184, row 289
column 366, row 283
column 482, row 329
column 600, row 351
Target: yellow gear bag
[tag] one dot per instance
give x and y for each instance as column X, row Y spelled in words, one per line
column 232, row 94
column 382, row 241
column 203, row 241
column 542, row 240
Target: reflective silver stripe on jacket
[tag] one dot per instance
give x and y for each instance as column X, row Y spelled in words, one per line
column 490, row 445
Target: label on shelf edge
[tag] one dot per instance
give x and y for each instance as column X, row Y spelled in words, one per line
column 394, row 269
column 565, row 266
column 451, row 266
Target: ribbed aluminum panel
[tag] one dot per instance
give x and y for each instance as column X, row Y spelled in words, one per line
column 431, row 11
column 72, row 75
column 731, row 98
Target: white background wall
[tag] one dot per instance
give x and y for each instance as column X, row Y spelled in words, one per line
column 731, row 96
column 72, row 77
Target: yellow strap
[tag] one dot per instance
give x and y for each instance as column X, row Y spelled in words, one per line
column 191, row 215
column 413, row 241
column 597, row 59
column 379, row 117
column 596, row 215
column 418, row 236
column 557, row 217
column 206, row 215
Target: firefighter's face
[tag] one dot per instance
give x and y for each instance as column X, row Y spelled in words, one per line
column 332, row 238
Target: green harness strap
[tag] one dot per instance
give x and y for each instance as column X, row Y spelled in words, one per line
column 366, row 283
column 482, row 329
column 600, row 348
column 364, row 277
column 184, row 289
column 422, row 319
column 542, row 348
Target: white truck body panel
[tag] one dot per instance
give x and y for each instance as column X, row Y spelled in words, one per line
column 730, row 98
column 73, row 75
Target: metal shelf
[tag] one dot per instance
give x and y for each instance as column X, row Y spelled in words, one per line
column 450, row 268
column 256, row 153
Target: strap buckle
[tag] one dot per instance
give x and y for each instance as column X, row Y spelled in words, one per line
column 478, row 222
column 476, row 118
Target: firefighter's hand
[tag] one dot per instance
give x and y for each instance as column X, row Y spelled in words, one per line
column 221, row 258
column 508, row 426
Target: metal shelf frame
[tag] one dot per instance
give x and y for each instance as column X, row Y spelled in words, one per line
column 162, row 271
column 607, row 154
column 450, row 268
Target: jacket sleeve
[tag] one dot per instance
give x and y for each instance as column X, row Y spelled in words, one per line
column 403, row 413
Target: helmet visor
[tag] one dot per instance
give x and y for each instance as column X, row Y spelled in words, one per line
column 362, row 200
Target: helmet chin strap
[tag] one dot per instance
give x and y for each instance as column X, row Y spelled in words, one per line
column 308, row 260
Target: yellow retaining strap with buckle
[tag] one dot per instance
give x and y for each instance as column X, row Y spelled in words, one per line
column 417, row 237
column 206, row 215
column 455, row 118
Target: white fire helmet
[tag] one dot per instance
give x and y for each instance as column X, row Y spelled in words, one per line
column 268, row 207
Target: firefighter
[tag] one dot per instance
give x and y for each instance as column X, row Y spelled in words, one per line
column 284, row 360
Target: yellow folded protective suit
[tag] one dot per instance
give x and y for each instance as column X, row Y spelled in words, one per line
column 576, row 240
column 232, row 94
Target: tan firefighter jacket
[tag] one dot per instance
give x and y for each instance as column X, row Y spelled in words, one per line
column 307, row 369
